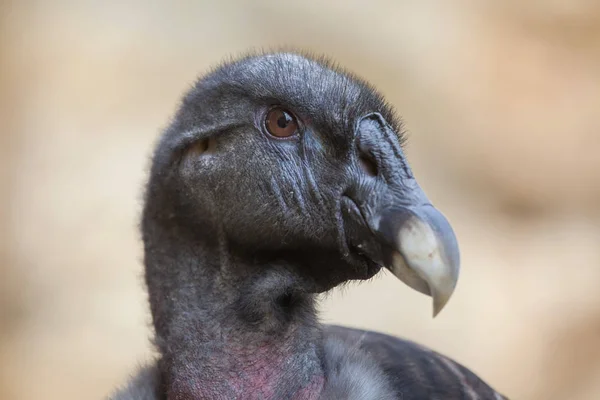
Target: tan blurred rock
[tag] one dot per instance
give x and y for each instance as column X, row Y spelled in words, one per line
column 528, row 102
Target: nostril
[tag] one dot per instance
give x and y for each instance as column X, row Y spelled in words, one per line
column 368, row 165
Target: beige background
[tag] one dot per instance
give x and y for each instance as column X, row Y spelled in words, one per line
column 502, row 99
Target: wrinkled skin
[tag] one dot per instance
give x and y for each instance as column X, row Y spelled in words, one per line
column 272, row 195
column 242, row 230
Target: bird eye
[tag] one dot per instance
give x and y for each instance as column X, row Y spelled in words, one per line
column 281, row 123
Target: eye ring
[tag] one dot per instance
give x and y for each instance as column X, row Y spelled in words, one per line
column 281, row 123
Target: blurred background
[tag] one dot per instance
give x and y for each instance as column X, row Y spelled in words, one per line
column 502, row 102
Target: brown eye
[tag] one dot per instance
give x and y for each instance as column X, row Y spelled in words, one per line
column 281, row 123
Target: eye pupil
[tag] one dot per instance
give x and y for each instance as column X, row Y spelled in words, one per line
column 281, row 123
column 284, row 120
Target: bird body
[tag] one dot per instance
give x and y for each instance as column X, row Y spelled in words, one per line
column 279, row 178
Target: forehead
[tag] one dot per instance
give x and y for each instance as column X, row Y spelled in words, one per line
column 297, row 80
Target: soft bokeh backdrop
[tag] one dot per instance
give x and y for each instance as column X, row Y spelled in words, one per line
column 502, row 100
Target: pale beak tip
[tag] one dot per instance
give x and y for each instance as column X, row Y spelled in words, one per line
column 439, row 302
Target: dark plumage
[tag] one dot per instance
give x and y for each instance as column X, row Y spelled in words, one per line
column 279, row 178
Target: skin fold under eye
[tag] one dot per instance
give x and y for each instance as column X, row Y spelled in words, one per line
column 281, row 123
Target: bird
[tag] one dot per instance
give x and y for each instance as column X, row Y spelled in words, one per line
column 280, row 177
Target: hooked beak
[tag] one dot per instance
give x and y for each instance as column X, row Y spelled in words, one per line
column 397, row 226
column 424, row 251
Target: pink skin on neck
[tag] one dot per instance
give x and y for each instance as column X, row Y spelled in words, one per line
column 255, row 376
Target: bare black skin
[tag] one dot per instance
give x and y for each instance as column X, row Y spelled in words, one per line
column 241, row 231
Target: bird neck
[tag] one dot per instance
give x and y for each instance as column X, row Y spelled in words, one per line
column 228, row 329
